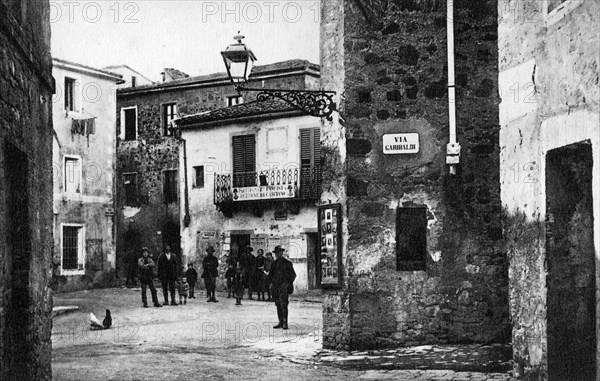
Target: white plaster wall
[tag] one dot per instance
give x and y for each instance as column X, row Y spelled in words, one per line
column 97, row 97
column 212, row 148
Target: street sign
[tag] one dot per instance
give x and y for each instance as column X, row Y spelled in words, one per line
column 400, row 143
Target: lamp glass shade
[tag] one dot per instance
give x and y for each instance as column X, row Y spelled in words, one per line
column 238, row 61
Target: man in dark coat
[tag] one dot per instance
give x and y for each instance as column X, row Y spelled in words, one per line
column 210, row 265
column 146, row 266
column 282, row 276
column 168, row 272
column 248, row 263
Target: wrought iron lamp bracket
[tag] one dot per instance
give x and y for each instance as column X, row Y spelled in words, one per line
column 314, row 102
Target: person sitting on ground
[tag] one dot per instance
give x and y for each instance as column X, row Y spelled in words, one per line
column 183, row 288
column 192, row 277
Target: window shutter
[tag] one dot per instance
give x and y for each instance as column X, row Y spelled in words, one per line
column 316, row 147
column 244, row 160
column 306, row 149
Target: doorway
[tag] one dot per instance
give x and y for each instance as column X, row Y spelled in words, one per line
column 570, row 260
column 18, row 317
column 238, row 243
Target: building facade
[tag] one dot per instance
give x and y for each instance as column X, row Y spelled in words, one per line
column 252, row 179
column 549, row 158
column 148, row 209
column 84, row 161
column 131, row 77
column 422, row 251
column 26, row 89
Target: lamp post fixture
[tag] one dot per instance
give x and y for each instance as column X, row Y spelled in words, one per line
column 239, row 61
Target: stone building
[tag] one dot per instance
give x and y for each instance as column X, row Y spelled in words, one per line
column 131, row 77
column 422, row 252
column 26, row 89
column 550, row 183
column 252, row 179
column 148, row 209
column 84, row 160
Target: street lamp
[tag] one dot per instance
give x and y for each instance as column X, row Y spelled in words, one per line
column 239, row 61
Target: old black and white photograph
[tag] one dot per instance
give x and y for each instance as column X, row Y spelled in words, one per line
column 299, row 190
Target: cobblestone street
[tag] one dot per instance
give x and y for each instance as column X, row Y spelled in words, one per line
column 221, row 341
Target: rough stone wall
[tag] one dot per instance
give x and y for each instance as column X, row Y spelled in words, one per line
column 394, row 63
column 336, row 311
column 152, row 153
column 26, row 89
column 550, row 98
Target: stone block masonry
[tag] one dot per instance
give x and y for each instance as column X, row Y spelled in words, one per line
column 394, row 67
column 26, row 89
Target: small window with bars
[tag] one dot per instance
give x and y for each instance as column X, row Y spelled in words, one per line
column 199, row 176
column 169, row 113
column 170, row 186
column 411, row 238
column 72, row 248
column 131, row 191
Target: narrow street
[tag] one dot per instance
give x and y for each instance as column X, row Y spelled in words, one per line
column 205, row 341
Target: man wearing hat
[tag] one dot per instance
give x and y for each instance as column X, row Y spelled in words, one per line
column 168, row 272
column 147, row 265
column 282, row 276
column 210, row 265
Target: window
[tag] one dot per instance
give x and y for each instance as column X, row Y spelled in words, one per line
column 233, row 100
column 133, row 81
column 170, row 186
column 199, row 176
column 72, row 174
column 411, row 238
column 69, row 94
column 129, row 123
column 72, row 248
column 244, row 161
column 130, row 185
column 169, row 113
column 310, row 162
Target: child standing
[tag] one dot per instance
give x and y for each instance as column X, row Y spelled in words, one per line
column 192, row 277
column 238, row 284
column 229, row 275
column 183, row 287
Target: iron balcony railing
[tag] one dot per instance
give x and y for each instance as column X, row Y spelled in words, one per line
column 301, row 183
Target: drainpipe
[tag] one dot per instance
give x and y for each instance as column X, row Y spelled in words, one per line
column 453, row 147
column 186, row 204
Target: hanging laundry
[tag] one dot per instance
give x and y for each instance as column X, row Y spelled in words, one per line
column 90, row 126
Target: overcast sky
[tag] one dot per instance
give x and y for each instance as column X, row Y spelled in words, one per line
column 150, row 35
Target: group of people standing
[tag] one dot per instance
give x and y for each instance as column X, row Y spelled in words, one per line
column 275, row 277
column 254, row 275
column 167, row 271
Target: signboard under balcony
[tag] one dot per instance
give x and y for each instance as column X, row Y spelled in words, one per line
column 263, row 192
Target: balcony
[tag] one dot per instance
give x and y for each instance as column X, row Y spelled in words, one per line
column 252, row 188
